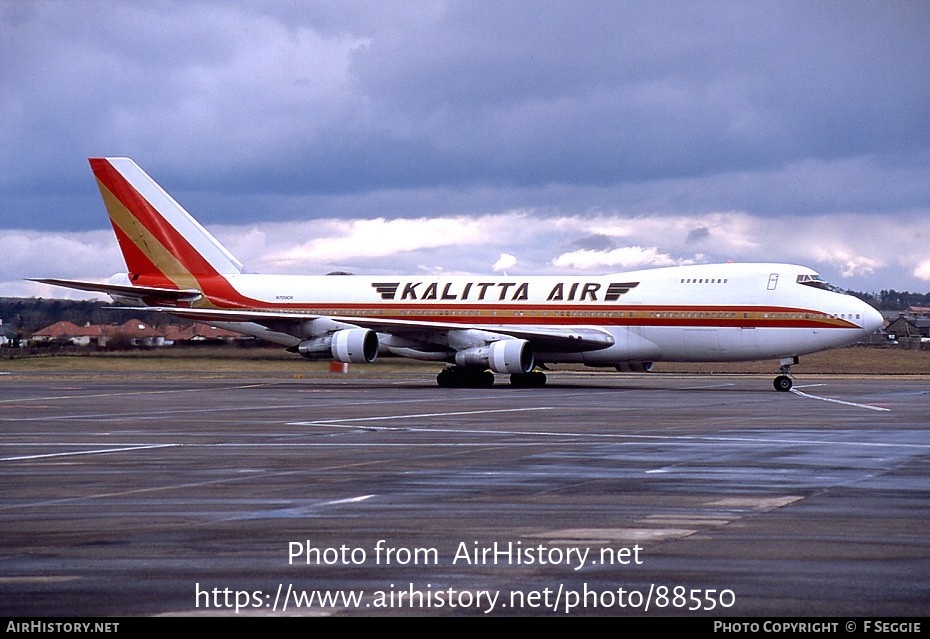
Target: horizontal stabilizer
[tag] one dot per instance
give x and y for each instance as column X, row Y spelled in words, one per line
column 146, row 293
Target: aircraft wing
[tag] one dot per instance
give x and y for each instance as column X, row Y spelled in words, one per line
column 146, row 294
column 568, row 339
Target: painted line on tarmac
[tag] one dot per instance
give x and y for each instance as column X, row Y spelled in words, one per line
column 319, row 422
column 838, row 401
column 707, row 386
column 86, row 452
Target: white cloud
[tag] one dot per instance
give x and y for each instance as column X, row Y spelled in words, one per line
column 504, row 262
column 922, row 272
column 626, row 257
column 36, row 254
column 339, row 241
column 840, row 246
column 848, row 263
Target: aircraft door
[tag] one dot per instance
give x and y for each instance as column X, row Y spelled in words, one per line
column 773, row 281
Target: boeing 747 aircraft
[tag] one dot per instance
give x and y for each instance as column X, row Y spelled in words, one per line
column 476, row 325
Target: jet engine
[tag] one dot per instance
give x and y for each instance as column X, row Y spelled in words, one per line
column 355, row 345
column 635, row 367
column 512, row 356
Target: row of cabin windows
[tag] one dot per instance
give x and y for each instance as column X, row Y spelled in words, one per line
column 704, row 280
column 810, row 315
column 653, row 314
column 698, row 315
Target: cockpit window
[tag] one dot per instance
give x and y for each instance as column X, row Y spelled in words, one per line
column 818, row 282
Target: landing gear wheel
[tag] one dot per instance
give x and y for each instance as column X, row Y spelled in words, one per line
column 461, row 377
column 446, row 378
column 535, row 379
column 783, row 383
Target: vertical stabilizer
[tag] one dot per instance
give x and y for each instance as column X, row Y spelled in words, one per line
column 161, row 243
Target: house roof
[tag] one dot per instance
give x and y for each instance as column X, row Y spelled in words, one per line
column 69, row 329
column 7, row 331
column 133, row 328
column 136, row 329
column 198, row 331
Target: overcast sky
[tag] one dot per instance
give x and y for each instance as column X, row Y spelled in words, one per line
column 526, row 137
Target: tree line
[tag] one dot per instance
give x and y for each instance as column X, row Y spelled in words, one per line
column 26, row 315
column 893, row 300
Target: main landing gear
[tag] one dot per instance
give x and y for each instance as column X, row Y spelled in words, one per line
column 469, row 377
column 533, row 379
column 464, row 377
column 783, row 383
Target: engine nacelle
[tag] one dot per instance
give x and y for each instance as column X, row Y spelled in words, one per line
column 635, row 367
column 512, row 356
column 354, row 345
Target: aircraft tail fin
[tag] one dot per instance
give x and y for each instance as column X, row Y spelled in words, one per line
column 163, row 246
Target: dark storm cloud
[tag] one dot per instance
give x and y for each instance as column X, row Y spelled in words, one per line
column 602, row 93
column 596, row 242
column 248, row 110
column 697, row 235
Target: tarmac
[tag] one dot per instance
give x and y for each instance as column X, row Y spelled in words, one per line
column 353, row 495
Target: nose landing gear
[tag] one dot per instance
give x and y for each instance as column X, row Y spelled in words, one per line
column 783, row 383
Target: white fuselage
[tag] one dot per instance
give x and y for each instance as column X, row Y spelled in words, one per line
column 716, row 312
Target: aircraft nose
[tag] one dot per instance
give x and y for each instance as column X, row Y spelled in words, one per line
column 872, row 320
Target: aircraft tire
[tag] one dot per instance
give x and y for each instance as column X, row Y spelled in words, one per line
column 536, row 379
column 459, row 377
column 518, row 381
column 782, row 383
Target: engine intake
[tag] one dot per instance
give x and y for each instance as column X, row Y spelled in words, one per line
column 512, row 356
column 354, row 345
